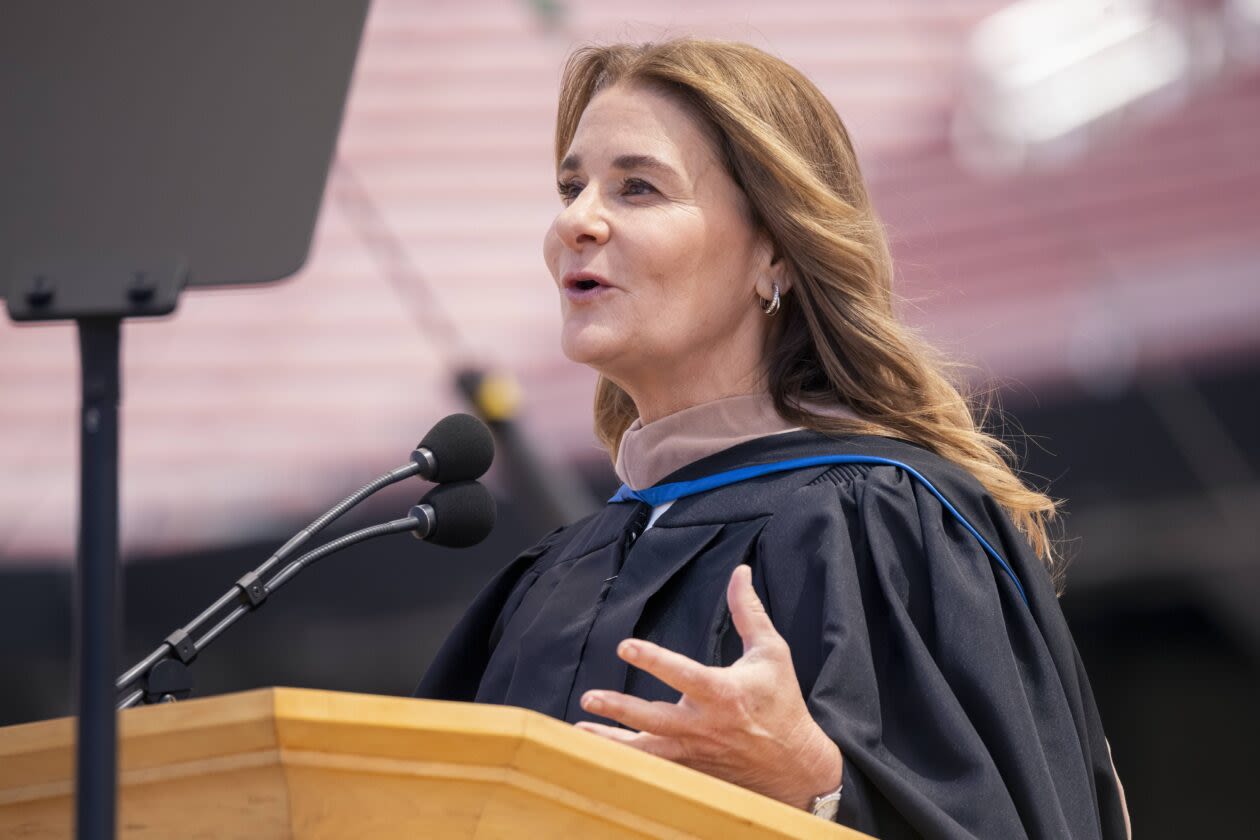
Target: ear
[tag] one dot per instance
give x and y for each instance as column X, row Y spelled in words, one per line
column 771, row 269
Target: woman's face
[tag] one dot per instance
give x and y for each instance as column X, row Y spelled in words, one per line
column 656, row 258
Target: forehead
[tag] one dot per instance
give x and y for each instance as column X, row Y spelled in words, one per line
column 638, row 120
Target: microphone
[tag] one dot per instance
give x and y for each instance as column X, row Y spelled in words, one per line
column 457, row 515
column 458, row 448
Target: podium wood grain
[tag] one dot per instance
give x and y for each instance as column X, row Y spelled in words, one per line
column 296, row 763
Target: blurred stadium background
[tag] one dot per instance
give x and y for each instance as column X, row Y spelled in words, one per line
column 1072, row 189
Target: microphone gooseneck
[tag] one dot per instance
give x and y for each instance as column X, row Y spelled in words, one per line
column 458, row 449
column 248, row 586
column 454, row 515
column 185, row 648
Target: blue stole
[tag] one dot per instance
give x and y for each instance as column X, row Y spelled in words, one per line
column 662, row 493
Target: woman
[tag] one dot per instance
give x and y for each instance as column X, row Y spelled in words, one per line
column 820, row 581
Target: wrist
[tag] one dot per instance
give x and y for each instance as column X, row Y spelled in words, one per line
column 827, row 770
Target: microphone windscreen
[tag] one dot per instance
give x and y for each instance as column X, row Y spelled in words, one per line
column 462, row 448
column 463, row 513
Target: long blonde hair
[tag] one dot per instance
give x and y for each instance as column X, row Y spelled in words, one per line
column 839, row 340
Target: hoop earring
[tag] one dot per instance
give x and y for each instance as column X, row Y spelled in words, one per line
column 771, row 307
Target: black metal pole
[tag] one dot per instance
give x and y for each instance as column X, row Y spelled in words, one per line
column 96, row 580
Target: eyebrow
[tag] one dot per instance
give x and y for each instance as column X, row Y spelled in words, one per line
column 623, row 162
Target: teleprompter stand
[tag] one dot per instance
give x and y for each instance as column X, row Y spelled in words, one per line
column 97, row 297
column 150, row 146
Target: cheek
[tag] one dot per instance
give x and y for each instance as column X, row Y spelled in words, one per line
column 706, row 281
column 709, row 316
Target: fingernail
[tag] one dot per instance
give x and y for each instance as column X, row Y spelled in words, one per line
column 592, row 703
column 629, row 650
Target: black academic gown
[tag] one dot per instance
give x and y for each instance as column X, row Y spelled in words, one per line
column 961, row 710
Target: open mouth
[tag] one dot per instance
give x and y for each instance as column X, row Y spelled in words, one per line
column 583, row 284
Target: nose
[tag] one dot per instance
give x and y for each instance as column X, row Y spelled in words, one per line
column 584, row 221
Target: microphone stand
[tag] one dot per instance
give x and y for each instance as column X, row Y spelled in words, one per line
column 164, row 672
column 167, row 679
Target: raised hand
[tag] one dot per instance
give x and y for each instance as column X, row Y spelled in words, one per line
column 746, row 723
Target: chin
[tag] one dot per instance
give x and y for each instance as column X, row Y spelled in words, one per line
column 592, row 345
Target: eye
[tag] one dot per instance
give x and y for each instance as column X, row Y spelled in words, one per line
column 568, row 190
column 636, row 186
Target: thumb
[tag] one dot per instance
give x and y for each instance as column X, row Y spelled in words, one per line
column 747, row 612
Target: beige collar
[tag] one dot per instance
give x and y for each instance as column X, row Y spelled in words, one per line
column 649, row 453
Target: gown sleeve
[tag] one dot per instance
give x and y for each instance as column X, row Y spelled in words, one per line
column 457, row 669
column 961, row 710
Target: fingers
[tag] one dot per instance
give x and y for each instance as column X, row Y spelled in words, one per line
column 673, row 669
column 656, row 745
column 612, row 733
column 752, row 622
column 637, row 713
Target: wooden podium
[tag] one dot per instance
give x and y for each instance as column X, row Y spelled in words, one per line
column 294, row 763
